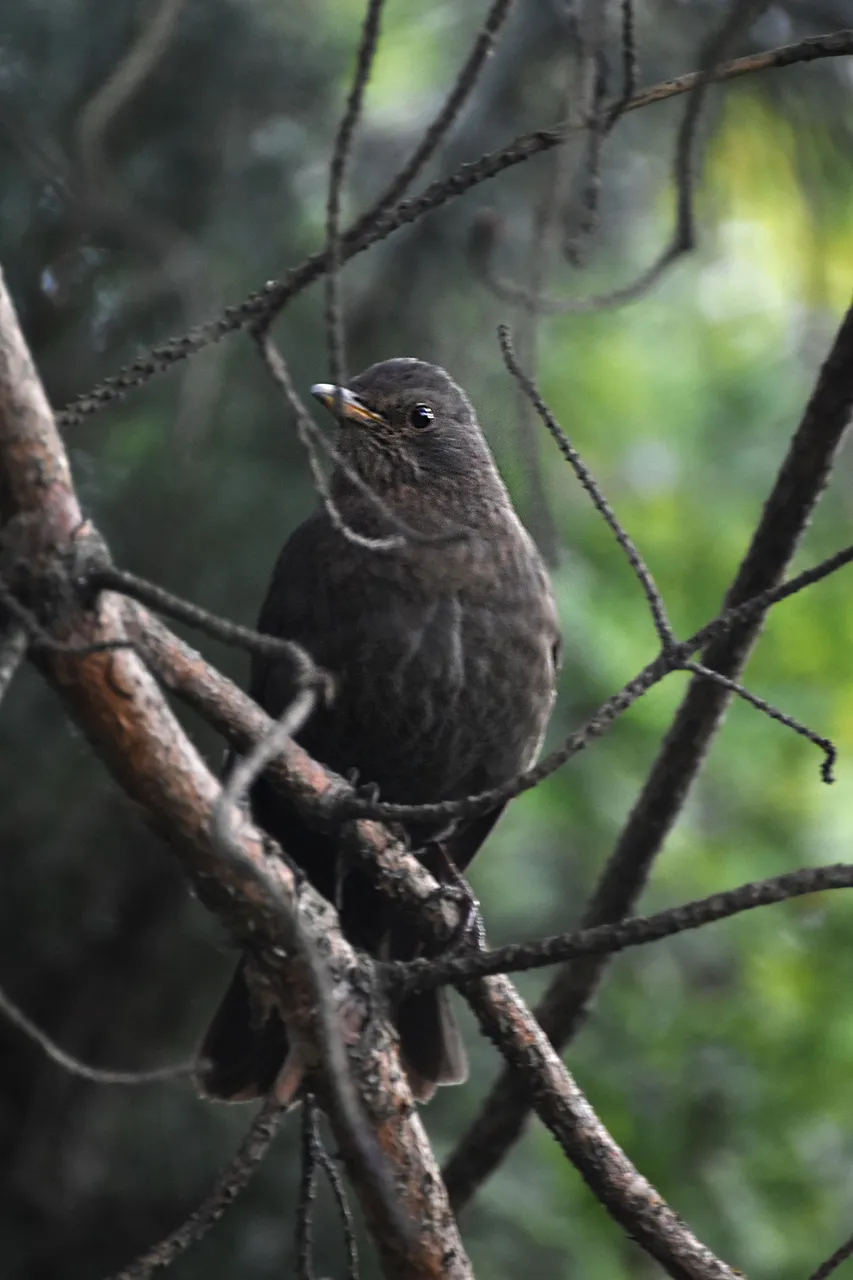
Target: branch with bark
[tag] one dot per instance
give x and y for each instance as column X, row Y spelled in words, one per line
column 120, row 708
column 84, row 624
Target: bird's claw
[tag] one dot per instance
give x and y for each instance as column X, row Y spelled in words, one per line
column 470, row 931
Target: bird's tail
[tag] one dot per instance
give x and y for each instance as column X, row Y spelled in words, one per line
column 431, row 1044
column 245, row 1053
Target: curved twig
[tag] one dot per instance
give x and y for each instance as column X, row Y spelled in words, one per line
column 369, row 229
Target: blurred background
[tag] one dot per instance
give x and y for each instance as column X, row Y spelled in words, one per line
column 720, row 1060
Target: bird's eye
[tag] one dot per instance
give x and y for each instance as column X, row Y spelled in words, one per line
column 421, row 416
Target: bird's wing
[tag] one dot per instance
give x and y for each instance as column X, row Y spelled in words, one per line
column 296, row 608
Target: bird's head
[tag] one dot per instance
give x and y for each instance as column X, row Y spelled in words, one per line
column 405, row 421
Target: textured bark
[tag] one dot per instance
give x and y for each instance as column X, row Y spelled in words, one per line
column 121, row 709
column 536, row 1070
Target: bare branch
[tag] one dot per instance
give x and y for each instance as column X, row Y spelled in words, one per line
column 562, row 1107
column 584, row 475
column 335, row 1182
column 369, row 229
column 112, row 578
column 122, row 83
column 629, row 62
column 832, row 1263
column 406, row 883
column 337, row 173
column 672, row 659
column 97, row 1075
column 607, row 939
column 40, row 638
column 801, row 479
column 307, row 1190
column 314, row 1157
column 827, row 746
column 249, row 886
column 232, row 1180
column 225, row 828
column 450, row 109
column 682, row 239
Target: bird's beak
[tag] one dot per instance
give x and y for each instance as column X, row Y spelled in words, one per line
column 344, row 405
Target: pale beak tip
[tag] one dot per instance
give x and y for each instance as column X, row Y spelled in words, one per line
column 323, row 391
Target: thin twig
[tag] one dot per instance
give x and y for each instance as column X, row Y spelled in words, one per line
column 672, row 659
column 607, row 939
column 336, row 1183
column 682, row 239
column 826, row 745
column 639, row 566
column 336, row 1069
column 832, row 1263
column 41, row 638
column 801, row 479
column 309, row 437
column 368, row 229
column 231, row 1181
column 337, row 174
column 314, row 1157
column 449, row 111
column 249, row 767
column 97, row 1075
column 629, row 63
column 307, row 1190
column 231, row 633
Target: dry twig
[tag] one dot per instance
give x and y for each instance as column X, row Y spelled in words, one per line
column 97, row 1075
column 801, row 479
column 371, row 228
column 232, row 1180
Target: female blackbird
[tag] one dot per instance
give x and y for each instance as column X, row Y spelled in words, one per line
column 444, row 655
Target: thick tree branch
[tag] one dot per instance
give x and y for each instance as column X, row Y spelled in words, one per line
column 403, row 879
column 119, row 707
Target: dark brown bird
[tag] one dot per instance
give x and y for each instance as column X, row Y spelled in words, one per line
column 444, row 656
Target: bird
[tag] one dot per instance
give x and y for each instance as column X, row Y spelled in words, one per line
column 444, row 648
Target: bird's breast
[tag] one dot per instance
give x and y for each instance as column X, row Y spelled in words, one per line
column 438, row 695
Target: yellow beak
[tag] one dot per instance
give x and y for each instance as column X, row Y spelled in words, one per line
column 344, row 405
